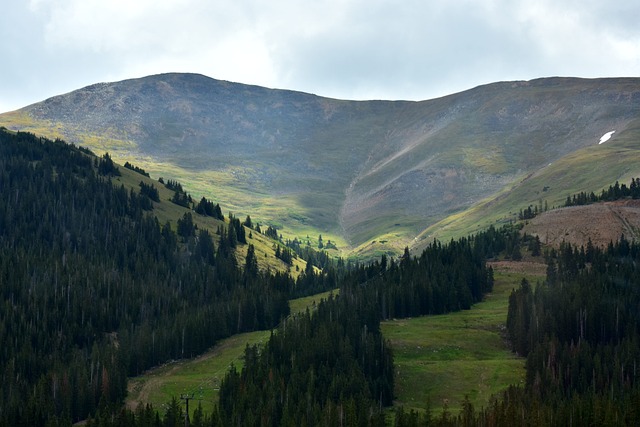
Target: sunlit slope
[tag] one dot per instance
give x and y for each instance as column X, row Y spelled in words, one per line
column 369, row 175
column 592, row 168
column 167, row 211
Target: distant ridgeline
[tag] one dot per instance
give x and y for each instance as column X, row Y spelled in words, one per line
column 95, row 289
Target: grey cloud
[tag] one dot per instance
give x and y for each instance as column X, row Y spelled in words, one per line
column 345, row 49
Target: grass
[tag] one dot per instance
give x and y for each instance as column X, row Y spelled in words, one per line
column 223, row 187
column 299, row 305
column 234, row 187
column 588, row 169
column 202, row 375
column 168, row 211
column 440, row 359
column 500, row 146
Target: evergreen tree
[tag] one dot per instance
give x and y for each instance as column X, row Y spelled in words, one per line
column 111, row 290
column 251, row 262
column 186, row 228
column 107, row 167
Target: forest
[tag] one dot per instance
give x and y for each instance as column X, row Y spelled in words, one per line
column 94, row 290
column 579, row 331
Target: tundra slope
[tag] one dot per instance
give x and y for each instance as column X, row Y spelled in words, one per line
column 371, row 174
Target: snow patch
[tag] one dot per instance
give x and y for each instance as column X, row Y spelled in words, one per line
column 606, row 137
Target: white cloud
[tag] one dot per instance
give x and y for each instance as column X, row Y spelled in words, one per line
column 341, row 48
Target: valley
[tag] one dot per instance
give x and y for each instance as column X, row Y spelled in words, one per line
column 438, row 359
column 413, row 210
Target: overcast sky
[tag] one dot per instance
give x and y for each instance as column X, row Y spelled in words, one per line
column 349, row 49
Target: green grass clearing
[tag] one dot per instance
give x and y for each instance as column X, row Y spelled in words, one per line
column 299, row 305
column 202, row 375
column 440, row 359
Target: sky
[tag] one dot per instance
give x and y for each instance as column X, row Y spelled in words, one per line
column 347, row 49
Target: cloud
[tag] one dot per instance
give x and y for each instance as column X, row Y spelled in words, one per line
column 146, row 37
column 342, row 48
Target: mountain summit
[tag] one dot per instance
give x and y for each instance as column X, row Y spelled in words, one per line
column 372, row 175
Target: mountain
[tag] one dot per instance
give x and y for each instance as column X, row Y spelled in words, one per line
column 373, row 176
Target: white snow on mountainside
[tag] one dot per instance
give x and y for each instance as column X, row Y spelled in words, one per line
column 606, row 137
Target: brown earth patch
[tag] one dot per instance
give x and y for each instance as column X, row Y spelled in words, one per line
column 528, row 268
column 600, row 222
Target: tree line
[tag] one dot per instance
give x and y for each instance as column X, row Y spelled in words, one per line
column 331, row 365
column 579, row 331
column 616, row 191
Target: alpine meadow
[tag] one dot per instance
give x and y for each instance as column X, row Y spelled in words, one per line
column 178, row 250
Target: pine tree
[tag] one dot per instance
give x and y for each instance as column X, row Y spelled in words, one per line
column 186, row 228
column 251, row 262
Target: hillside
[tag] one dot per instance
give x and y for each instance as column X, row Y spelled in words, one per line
column 98, row 284
column 575, row 224
column 369, row 175
column 97, row 288
column 94, row 288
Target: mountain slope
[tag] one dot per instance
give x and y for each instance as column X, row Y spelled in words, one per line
column 370, row 175
column 592, row 168
column 574, row 224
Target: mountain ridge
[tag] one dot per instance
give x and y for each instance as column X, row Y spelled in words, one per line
column 372, row 175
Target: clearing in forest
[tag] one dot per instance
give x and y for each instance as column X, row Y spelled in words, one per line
column 440, row 359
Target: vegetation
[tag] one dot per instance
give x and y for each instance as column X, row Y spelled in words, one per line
column 94, row 288
column 206, row 207
column 201, row 376
column 369, row 176
column 440, row 359
column 344, row 371
column 77, row 255
column 614, row 192
column 585, row 170
column 136, row 169
column 579, row 331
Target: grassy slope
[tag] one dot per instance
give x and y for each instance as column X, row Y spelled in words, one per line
column 443, row 358
column 168, row 211
column 437, row 358
column 224, row 186
column 588, row 169
column 203, row 374
column 487, row 136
